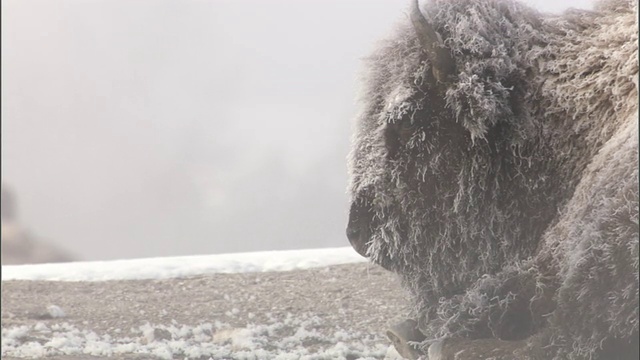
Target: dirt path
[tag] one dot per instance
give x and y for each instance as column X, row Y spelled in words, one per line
column 305, row 313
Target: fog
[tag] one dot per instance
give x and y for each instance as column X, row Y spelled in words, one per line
column 145, row 128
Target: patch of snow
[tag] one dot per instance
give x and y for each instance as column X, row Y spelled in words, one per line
column 294, row 337
column 184, row 266
column 55, row 311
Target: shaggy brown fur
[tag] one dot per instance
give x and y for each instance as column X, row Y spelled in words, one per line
column 507, row 200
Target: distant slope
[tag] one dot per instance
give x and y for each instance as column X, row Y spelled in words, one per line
column 174, row 267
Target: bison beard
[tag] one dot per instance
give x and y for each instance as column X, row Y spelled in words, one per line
column 503, row 187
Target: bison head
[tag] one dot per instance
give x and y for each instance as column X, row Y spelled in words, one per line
column 427, row 156
column 401, row 131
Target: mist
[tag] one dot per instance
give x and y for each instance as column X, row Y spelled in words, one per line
column 163, row 127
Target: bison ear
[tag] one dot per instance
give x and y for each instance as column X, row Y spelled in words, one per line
column 442, row 64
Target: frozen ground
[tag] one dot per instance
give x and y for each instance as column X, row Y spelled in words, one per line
column 183, row 266
column 311, row 304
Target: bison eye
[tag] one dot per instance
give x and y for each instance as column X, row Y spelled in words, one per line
column 406, row 128
column 407, row 124
column 398, row 134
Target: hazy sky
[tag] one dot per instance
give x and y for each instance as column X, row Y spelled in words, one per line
column 152, row 127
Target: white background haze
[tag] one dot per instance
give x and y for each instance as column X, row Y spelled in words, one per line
column 168, row 127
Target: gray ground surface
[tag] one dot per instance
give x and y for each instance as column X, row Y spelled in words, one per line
column 358, row 298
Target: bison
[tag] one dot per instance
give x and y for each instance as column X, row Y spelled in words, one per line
column 494, row 168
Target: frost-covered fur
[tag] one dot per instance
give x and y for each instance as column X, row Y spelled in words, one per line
column 508, row 200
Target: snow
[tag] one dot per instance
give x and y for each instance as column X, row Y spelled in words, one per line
column 203, row 341
column 282, row 337
column 184, row 266
column 55, row 311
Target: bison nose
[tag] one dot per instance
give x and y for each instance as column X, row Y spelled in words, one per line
column 353, row 234
column 356, row 240
column 360, row 217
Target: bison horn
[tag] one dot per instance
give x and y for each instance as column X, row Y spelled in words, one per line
column 442, row 64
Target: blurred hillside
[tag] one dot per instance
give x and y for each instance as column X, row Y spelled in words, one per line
column 19, row 244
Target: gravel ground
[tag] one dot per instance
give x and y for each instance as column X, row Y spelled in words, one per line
column 352, row 303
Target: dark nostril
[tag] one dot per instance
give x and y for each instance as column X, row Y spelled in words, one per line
column 355, row 239
column 352, row 233
column 358, row 227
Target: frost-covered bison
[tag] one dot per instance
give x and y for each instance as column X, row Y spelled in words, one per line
column 495, row 168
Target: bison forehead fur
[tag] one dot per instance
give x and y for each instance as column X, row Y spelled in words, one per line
column 506, row 198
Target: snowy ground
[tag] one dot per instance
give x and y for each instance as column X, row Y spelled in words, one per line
column 311, row 304
column 184, row 266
